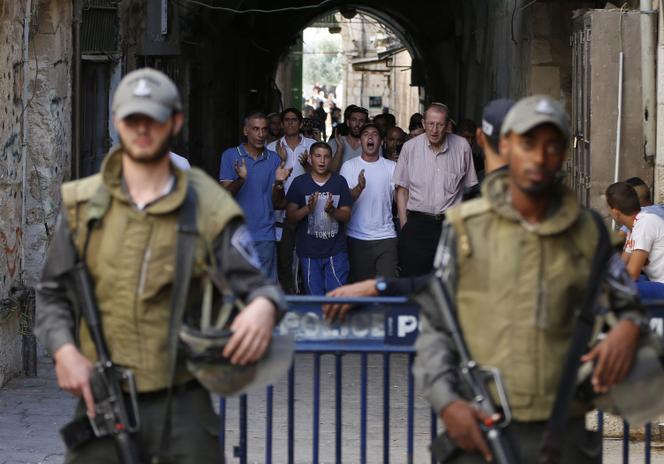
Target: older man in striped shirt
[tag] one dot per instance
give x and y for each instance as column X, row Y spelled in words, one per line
column 432, row 173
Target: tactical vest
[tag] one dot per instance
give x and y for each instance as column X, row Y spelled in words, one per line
column 131, row 257
column 518, row 291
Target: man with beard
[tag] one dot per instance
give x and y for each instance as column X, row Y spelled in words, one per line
column 354, row 118
column 372, row 239
column 433, row 171
column 122, row 224
column 517, row 263
column 255, row 176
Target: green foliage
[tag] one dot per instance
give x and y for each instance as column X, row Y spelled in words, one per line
column 323, row 59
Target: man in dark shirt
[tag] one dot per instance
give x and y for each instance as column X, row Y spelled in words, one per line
column 319, row 202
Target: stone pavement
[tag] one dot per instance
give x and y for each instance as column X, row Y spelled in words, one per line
column 32, row 410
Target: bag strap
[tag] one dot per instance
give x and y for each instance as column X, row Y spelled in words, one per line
column 184, row 262
column 554, row 435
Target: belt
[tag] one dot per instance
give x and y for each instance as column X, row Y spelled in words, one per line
column 431, row 217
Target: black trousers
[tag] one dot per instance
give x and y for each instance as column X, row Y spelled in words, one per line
column 285, row 262
column 581, row 446
column 417, row 244
column 194, row 430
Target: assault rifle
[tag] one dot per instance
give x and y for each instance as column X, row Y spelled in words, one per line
column 473, row 387
column 113, row 417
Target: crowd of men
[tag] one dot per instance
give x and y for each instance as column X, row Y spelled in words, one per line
column 369, row 206
column 368, row 202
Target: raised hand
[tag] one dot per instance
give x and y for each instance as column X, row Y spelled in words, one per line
column 282, row 173
column 311, row 204
column 340, row 144
column 329, row 205
column 281, row 151
column 361, row 180
column 241, row 168
column 304, row 160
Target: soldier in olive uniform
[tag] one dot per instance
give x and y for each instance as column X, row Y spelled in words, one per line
column 135, row 200
column 517, row 262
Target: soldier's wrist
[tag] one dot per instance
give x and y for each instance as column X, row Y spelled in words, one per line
column 64, row 351
column 638, row 319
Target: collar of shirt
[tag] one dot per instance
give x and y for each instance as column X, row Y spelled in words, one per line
column 243, row 153
column 443, row 147
column 300, row 142
column 168, row 188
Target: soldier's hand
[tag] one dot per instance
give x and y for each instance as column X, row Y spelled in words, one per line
column 613, row 356
column 72, row 370
column 252, row 332
column 462, row 422
column 333, row 311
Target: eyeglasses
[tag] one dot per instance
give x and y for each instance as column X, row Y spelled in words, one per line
column 435, row 125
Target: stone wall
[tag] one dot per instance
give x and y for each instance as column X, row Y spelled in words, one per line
column 11, row 182
column 371, row 76
column 35, row 120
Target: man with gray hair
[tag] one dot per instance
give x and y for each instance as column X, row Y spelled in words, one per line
column 432, row 173
column 255, row 176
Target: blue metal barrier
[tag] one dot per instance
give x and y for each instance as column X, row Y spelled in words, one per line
column 382, row 326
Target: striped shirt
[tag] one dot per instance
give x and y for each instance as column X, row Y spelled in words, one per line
column 435, row 179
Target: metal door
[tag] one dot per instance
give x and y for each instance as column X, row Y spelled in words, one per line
column 578, row 166
column 95, row 83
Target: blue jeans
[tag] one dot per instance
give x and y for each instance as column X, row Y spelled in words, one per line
column 322, row 275
column 649, row 290
column 267, row 255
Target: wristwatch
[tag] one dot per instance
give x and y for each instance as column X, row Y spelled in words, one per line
column 381, row 285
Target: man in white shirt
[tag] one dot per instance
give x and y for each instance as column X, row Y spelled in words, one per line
column 291, row 147
column 644, row 247
column 372, row 242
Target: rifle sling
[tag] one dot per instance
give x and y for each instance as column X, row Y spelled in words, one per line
column 184, row 261
column 554, row 435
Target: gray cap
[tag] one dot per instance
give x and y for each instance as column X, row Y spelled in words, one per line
column 146, row 91
column 533, row 111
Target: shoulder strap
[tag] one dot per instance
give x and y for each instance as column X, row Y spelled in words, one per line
column 98, row 202
column 554, row 435
column 457, row 217
column 184, row 262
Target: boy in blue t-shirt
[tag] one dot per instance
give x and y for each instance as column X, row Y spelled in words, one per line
column 320, row 204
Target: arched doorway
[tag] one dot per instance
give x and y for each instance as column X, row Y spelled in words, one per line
column 352, row 56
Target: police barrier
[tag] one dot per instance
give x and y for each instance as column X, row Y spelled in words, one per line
column 385, row 325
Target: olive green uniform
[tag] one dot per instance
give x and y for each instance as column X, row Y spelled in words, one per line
column 517, row 288
column 131, row 259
